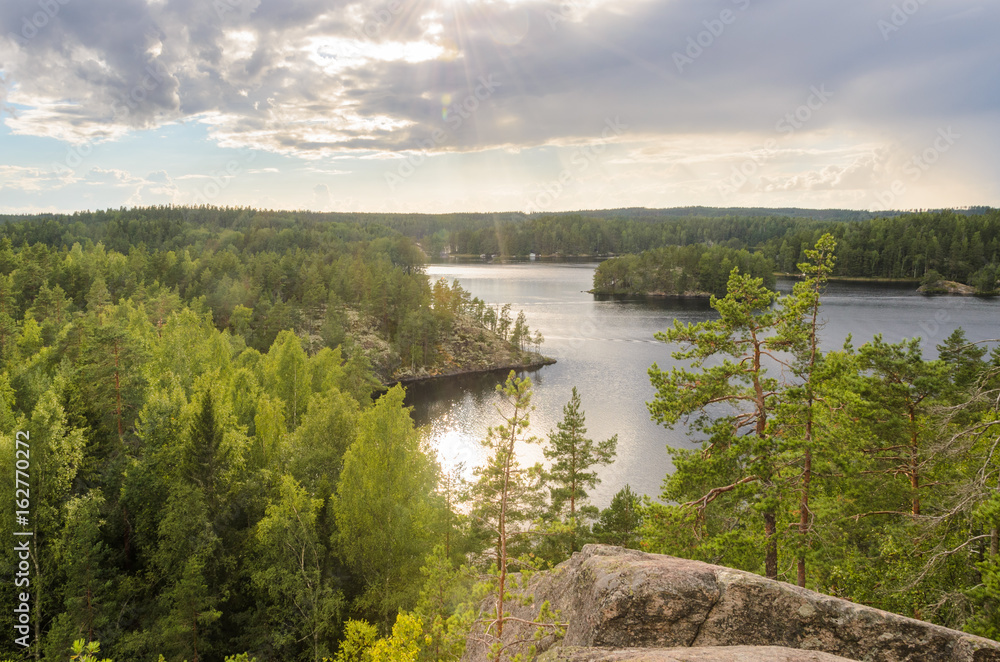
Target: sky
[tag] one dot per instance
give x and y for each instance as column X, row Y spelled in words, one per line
column 498, row 105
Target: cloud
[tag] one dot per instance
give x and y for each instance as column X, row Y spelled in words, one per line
column 698, row 84
column 322, row 200
column 860, row 175
column 109, row 177
column 314, row 76
column 27, row 178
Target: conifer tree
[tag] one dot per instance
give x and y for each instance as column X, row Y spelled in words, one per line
column 619, row 523
column 572, row 474
column 801, row 326
column 900, row 390
column 728, row 359
column 206, row 454
column 964, row 359
column 506, row 497
column 505, row 500
column 190, row 598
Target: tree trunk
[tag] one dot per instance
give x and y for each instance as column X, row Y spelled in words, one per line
column 118, row 393
column 195, row 630
column 914, row 463
column 804, row 515
column 994, row 540
column 771, row 553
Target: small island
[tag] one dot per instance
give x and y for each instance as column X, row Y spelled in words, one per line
column 695, row 271
column 982, row 283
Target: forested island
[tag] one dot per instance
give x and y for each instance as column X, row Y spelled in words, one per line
column 215, row 470
column 968, row 266
column 683, row 271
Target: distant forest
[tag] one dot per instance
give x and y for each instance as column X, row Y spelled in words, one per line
column 957, row 244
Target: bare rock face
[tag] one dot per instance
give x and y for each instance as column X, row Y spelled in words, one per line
column 625, row 605
column 708, row 654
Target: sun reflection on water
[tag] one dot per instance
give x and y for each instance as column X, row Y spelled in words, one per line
column 455, row 447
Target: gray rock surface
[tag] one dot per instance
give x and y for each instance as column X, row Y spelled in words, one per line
column 709, row 654
column 622, row 600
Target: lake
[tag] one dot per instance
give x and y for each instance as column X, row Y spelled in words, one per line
column 605, row 346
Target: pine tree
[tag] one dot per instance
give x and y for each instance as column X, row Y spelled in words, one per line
column 801, row 327
column 619, row 522
column 964, row 359
column 728, row 358
column 506, row 497
column 571, row 474
column 900, row 390
column 505, row 501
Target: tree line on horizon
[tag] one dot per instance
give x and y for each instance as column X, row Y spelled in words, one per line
column 959, row 245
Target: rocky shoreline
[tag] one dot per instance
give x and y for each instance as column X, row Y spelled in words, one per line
column 949, row 287
column 425, row 376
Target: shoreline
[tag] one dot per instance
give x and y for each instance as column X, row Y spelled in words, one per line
column 540, row 362
column 698, row 296
column 854, row 279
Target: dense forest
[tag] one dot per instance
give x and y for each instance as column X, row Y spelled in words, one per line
column 215, row 470
column 258, row 273
column 209, row 464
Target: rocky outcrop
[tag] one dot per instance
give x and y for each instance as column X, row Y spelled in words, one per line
column 624, row 605
column 947, row 287
column 707, row 654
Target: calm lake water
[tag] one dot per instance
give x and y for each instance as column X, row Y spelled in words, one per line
column 605, row 347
